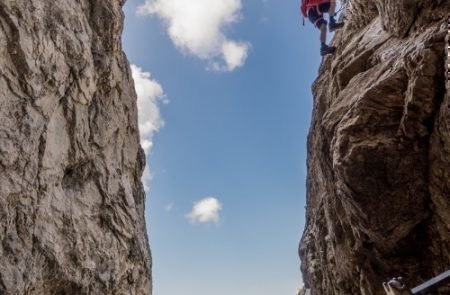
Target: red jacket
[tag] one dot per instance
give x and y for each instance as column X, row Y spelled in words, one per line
column 306, row 4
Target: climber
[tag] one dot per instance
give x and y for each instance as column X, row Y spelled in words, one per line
column 314, row 10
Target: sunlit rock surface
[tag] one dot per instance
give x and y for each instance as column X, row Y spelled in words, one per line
column 71, row 199
column 378, row 202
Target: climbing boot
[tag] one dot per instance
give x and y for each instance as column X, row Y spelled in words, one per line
column 334, row 25
column 324, row 50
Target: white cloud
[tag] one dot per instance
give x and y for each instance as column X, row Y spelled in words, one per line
column 234, row 53
column 149, row 95
column 197, row 27
column 146, row 177
column 168, row 207
column 205, row 211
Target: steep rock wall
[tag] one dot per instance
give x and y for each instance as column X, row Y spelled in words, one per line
column 71, row 199
column 378, row 184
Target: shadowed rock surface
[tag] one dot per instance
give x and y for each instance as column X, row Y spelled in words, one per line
column 71, row 199
column 378, row 185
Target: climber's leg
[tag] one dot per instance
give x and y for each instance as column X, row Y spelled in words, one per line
column 332, row 9
column 315, row 15
column 323, row 33
column 332, row 12
column 324, row 48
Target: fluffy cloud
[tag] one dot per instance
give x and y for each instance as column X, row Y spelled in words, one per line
column 168, row 207
column 149, row 95
column 234, row 53
column 205, row 211
column 196, row 27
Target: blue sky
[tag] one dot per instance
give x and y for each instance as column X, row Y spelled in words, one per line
column 228, row 123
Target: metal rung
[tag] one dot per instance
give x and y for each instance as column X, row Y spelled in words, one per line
column 433, row 284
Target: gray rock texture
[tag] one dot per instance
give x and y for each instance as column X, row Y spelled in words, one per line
column 378, row 202
column 71, row 199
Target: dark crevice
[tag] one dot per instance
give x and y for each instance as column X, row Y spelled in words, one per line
column 2, row 285
column 419, row 9
column 14, row 49
column 76, row 175
column 41, row 152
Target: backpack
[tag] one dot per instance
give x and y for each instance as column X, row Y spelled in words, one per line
column 308, row 3
column 304, row 8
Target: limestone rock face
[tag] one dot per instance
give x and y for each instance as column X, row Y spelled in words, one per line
column 378, row 185
column 71, row 199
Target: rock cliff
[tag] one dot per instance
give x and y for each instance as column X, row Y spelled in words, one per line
column 71, row 199
column 378, row 184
